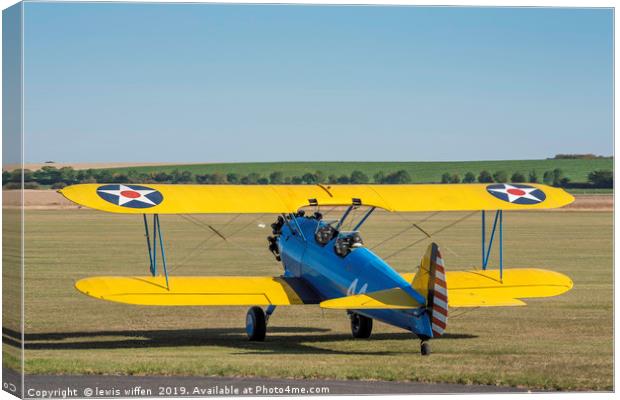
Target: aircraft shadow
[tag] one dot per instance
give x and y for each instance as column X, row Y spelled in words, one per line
column 280, row 340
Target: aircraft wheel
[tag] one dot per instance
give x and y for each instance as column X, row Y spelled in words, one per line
column 361, row 326
column 425, row 348
column 255, row 324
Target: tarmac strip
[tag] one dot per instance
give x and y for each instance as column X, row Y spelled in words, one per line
column 109, row 386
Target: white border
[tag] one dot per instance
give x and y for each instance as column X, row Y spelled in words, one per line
column 479, row 3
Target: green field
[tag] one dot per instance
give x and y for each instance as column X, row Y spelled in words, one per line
column 559, row 343
column 577, row 170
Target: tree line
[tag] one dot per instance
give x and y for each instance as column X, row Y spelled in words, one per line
column 588, row 156
column 556, row 177
column 59, row 177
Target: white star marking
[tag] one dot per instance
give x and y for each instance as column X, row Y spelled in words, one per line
column 512, row 197
column 122, row 199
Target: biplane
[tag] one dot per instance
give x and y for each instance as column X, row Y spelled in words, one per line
column 324, row 264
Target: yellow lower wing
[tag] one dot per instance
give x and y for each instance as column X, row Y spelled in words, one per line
column 469, row 289
column 465, row 289
column 198, row 290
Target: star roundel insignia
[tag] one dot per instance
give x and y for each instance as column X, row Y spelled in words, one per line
column 131, row 196
column 517, row 193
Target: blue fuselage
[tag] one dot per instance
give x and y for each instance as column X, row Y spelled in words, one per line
column 331, row 275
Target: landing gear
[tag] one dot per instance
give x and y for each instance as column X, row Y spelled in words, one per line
column 425, row 348
column 256, row 324
column 361, row 326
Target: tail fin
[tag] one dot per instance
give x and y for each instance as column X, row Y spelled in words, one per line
column 430, row 281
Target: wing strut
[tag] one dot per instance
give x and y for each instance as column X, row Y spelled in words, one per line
column 344, row 216
column 499, row 216
column 148, row 244
column 163, row 254
column 153, row 250
column 364, row 218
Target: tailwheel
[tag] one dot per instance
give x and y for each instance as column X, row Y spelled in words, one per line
column 361, row 326
column 256, row 324
column 425, row 348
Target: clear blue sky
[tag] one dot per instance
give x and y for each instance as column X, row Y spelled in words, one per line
column 198, row 82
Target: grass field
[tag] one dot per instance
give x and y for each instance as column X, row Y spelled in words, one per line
column 559, row 343
column 577, row 170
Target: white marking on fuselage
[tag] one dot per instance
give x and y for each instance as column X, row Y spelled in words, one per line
column 352, row 287
column 363, row 289
column 351, row 291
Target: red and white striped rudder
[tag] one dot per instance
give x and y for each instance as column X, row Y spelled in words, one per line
column 438, row 296
column 430, row 282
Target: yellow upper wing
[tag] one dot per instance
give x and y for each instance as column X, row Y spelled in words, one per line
column 195, row 199
column 469, row 289
column 198, row 290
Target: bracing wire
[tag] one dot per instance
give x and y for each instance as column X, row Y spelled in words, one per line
column 411, row 226
column 194, row 249
column 246, row 225
column 430, row 235
column 455, row 222
column 204, row 225
column 428, row 217
column 392, row 237
column 215, row 232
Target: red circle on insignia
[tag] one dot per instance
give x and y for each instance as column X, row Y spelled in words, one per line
column 516, row 192
column 130, row 194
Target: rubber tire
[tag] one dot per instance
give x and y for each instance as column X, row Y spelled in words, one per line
column 361, row 326
column 255, row 324
column 425, row 348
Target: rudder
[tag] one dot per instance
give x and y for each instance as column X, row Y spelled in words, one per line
column 430, row 281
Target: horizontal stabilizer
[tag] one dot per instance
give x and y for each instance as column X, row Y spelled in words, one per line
column 395, row 298
column 468, row 289
column 199, row 290
column 478, row 288
column 481, row 301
